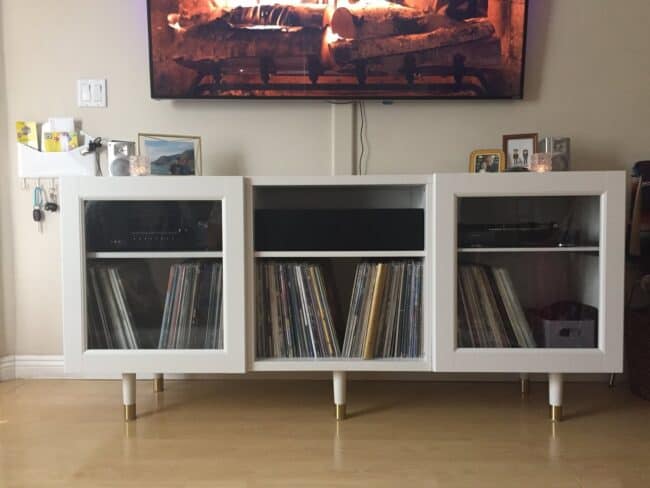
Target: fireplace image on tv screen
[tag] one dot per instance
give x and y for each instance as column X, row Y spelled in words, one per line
column 337, row 49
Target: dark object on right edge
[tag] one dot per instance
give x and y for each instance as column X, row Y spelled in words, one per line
column 637, row 345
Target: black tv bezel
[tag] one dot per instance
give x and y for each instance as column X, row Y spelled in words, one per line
column 342, row 98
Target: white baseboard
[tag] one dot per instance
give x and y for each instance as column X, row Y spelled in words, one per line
column 7, row 369
column 43, row 367
column 51, row 367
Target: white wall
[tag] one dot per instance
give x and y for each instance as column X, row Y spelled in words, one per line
column 6, row 241
column 587, row 77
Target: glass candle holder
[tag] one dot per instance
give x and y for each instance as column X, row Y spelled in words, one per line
column 139, row 165
column 541, row 162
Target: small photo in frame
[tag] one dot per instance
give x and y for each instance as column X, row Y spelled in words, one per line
column 519, row 149
column 170, row 154
column 487, row 161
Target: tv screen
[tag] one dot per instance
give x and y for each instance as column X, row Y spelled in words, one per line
column 337, row 49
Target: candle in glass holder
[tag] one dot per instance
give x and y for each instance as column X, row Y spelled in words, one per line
column 139, row 165
column 541, row 162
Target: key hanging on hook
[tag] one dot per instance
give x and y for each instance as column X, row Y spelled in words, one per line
column 37, row 212
column 51, row 204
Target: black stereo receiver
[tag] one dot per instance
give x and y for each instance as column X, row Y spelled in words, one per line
column 153, row 226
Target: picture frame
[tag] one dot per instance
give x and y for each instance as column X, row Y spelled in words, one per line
column 171, row 154
column 487, row 161
column 560, row 150
column 518, row 149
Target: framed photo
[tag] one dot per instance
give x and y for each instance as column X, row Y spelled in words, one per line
column 171, row 155
column 519, row 148
column 487, row 161
column 560, row 149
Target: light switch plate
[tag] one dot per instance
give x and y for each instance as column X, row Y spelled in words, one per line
column 91, row 93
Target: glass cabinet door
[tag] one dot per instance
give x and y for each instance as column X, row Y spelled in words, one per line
column 154, row 274
column 529, row 272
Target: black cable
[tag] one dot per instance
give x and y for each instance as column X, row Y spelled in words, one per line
column 94, row 145
column 364, row 137
column 98, row 166
column 363, row 148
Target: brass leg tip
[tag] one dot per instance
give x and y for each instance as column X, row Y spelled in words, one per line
column 158, row 385
column 556, row 413
column 129, row 412
column 340, row 412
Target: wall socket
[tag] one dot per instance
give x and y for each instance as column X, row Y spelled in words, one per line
column 91, row 93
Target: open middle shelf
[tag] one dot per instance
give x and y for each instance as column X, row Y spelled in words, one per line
column 340, row 277
column 350, row 308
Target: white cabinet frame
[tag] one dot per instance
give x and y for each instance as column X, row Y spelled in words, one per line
column 608, row 356
column 423, row 363
column 229, row 190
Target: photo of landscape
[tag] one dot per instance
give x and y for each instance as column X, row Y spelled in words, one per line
column 170, row 157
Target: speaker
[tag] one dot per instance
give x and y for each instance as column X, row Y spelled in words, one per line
column 119, row 153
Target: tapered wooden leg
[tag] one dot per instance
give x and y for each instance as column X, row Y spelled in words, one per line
column 158, row 383
column 128, row 396
column 339, row 381
column 555, row 396
column 525, row 384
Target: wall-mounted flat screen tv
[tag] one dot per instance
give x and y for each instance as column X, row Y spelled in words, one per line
column 337, row 49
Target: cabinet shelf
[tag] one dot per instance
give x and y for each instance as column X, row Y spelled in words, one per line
column 340, row 254
column 527, row 249
column 156, row 255
column 342, row 364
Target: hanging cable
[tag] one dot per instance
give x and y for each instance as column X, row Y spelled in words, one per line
column 361, row 142
column 363, row 134
column 94, row 146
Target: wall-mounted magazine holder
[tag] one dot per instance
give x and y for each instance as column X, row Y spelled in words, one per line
column 33, row 163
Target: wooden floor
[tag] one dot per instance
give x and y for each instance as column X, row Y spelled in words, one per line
column 258, row 434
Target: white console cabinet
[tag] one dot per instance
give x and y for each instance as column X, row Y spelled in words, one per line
column 121, row 238
column 480, row 273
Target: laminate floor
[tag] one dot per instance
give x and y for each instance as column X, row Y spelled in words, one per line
column 250, row 433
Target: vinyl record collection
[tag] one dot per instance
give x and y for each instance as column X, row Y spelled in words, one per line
column 192, row 318
column 113, row 323
column 294, row 318
column 489, row 312
column 385, row 311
